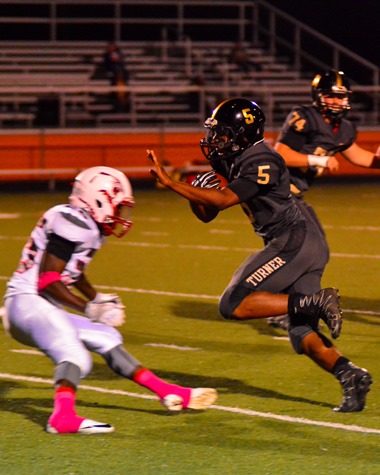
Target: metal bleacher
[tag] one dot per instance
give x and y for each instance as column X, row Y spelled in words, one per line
column 159, row 89
column 172, row 80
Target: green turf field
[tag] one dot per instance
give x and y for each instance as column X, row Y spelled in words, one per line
column 274, row 412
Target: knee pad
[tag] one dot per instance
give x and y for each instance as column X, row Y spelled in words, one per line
column 121, row 362
column 83, row 361
column 297, row 334
column 69, row 371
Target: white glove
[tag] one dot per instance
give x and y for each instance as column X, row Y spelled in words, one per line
column 105, row 298
column 107, row 309
column 206, row 180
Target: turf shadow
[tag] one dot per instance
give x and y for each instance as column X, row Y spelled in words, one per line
column 197, row 310
column 233, row 386
column 361, row 305
column 207, row 311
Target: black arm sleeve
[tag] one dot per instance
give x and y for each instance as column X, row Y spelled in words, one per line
column 60, row 247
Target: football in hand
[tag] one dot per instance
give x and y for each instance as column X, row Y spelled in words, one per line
column 223, row 181
column 210, row 179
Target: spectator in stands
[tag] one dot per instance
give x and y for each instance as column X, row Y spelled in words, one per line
column 313, row 134
column 114, row 63
column 116, row 70
column 40, row 292
column 241, row 58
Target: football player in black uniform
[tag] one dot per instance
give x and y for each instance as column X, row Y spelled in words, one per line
column 285, row 276
column 313, row 134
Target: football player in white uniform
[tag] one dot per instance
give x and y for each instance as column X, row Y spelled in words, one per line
column 39, row 293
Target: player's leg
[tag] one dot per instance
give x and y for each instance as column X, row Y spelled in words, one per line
column 108, row 342
column 35, row 322
column 355, row 381
column 282, row 321
column 307, row 339
column 256, row 287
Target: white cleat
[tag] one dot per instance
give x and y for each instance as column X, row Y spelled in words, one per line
column 172, row 402
column 87, row 427
column 202, row 398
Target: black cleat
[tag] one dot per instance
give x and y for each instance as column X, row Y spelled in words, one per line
column 355, row 383
column 325, row 305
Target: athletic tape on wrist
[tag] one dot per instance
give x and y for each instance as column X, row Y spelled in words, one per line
column 317, row 161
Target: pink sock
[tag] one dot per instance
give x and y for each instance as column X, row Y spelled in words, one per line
column 64, row 418
column 149, row 380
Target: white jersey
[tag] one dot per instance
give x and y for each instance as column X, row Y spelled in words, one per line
column 69, row 222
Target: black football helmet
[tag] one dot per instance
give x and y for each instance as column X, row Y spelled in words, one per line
column 235, row 125
column 332, row 83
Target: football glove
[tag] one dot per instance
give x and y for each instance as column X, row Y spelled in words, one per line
column 107, row 309
column 206, row 180
column 104, row 298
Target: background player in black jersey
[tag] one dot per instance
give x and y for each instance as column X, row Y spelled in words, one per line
column 285, row 276
column 313, row 134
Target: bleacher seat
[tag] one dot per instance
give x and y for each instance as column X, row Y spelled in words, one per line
column 74, row 65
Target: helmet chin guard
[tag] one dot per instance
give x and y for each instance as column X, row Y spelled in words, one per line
column 106, row 194
column 235, row 125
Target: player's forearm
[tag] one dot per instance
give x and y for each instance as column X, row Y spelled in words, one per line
column 61, row 294
column 84, row 286
column 207, row 197
column 292, row 157
column 361, row 157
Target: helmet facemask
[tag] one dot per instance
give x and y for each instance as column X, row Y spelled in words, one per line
column 117, row 223
column 332, row 84
column 334, row 110
column 221, row 141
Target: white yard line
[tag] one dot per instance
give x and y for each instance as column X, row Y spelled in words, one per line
column 190, row 296
column 217, row 248
column 235, row 410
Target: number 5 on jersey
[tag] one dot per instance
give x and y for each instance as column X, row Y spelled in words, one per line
column 263, row 174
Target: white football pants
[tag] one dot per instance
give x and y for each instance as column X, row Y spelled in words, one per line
column 63, row 336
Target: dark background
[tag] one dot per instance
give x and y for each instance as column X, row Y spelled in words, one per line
column 354, row 24
column 351, row 23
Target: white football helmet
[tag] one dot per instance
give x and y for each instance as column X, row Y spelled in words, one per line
column 106, row 194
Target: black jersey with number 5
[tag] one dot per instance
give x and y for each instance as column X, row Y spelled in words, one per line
column 260, row 179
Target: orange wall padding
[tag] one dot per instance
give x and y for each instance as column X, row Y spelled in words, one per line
column 75, row 151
